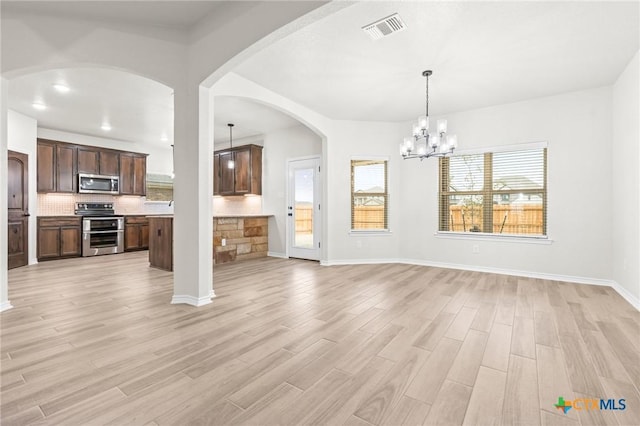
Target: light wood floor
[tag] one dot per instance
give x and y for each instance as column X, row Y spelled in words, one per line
column 95, row 341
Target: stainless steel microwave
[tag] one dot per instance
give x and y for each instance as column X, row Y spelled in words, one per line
column 98, row 184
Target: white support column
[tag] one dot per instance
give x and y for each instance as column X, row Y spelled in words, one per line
column 4, row 285
column 193, row 197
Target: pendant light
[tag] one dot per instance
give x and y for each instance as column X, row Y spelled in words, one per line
column 231, row 164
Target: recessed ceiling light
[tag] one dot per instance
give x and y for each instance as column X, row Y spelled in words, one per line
column 106, row 127
column 39, row 106
column 164, row 138
column 61, row 88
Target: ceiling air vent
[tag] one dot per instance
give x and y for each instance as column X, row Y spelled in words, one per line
column 384, row 27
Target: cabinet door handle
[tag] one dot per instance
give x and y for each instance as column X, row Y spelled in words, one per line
column 159, row 232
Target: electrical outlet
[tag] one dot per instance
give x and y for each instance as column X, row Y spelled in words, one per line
column 224, row 242
column 475, row 248
column 359, row 244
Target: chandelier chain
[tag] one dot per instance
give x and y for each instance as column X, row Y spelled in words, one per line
column 427, row 97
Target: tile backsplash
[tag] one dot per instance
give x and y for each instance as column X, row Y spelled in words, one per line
column 54, row 204
column 64, row 204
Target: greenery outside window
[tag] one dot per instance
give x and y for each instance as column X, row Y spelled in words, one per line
column 369, row 196
column 499, row 192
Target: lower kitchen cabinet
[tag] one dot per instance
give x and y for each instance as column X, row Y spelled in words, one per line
column 136, row 233
column 161, row 242
column 59, row 237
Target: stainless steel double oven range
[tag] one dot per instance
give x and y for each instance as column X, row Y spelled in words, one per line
column 102, row 229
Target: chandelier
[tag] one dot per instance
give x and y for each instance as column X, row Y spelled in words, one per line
column 424, row 144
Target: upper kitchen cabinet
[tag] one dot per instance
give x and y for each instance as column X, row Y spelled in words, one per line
column 59, row 164
column 245, row 177
column 56, row 167
column 133, row 174
column 216, row 171
column 97, row 161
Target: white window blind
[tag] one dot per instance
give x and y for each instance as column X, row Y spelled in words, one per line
column 495, row 192
column 369, row 197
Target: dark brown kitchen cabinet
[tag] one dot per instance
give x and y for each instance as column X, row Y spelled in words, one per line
column 216, row 174
column 88, row 160
column 109, row 163
column 246, row 175
column 96, row 161
column 66, row 168
column 46, row 174
column 136, row 233
column 56, row 167
column 59, row 237
column 161, row 242
column 133, row 174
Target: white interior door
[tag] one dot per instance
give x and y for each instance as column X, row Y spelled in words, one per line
column 303, row 209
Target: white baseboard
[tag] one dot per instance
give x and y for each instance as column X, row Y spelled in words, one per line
column 190, row 300
column 514, row 272
column 277, row 254
column 5, row 306
column 634, row 301
column 359, row 261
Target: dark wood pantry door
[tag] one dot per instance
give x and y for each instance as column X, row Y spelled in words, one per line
column 18, row 206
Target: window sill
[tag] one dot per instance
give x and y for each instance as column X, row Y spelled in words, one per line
column 477, row 236
column 370, row 233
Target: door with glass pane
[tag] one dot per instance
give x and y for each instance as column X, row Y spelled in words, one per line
column 303, row 209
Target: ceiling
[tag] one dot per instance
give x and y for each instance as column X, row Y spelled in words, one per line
column 481, row 53
column 137, row 109
column 180, row 15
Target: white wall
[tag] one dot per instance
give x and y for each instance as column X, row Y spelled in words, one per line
column 577, row 127
column 4, row 288
column 279, row 147
column 22, row 132
column 625, row 184
column 358, row 139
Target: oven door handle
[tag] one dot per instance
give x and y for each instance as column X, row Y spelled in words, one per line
column 103, row 232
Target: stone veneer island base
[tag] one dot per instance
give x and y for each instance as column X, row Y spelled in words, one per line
column 245, row 238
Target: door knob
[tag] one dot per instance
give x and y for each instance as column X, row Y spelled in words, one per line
column 26, row 215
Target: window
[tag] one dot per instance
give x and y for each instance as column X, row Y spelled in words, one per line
column 501, row 192
column 159, row 187
column 369, row 197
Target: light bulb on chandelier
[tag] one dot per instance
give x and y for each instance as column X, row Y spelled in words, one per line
column 423, row 144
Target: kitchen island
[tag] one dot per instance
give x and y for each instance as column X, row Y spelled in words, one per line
column 240, row 237
column 236, row 237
